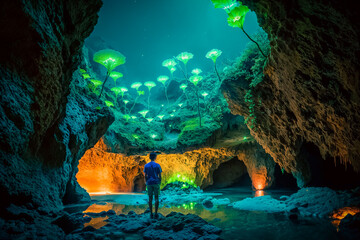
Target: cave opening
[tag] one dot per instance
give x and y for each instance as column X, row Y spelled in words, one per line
column 329, row 172
column 232, row 173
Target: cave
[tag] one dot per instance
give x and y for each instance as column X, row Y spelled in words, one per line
column 231, row 173
column 240, row 117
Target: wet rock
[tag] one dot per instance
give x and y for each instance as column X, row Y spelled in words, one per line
column 207, row 203
column 349, row 227
column 89, row 229
column 69, row 223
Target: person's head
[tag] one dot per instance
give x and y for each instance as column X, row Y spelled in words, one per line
column 152, row 156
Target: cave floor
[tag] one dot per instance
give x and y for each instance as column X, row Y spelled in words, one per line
column 236, row 224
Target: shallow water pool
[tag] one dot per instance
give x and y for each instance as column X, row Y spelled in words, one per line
column 236, row 224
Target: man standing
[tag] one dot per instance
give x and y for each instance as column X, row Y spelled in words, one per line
column 152, row 171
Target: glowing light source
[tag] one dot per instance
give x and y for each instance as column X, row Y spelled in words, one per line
column 136, row 85
column 126, row 101
column 180, row 104
column 150, row 120
column 204, row 94
column 163, row 79
column 109, row 58
column 153, row 136
column 172, row 115
column 109, row 104
column 133, row 117
column 144, row 112
column 184, row 57
column 160, row 116
column 195, row 79
column 150, row 85
column 116, row 90
column 259, row 193
column 213, row 54
column 183, row 87
column 86, row 76
column 196, row 71
column 135, row 136
column 96, row 82
column 116, row 75
column 341, row 213
column 126, row 117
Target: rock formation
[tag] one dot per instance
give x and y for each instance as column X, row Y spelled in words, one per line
column 46, row 122
column 310, row 89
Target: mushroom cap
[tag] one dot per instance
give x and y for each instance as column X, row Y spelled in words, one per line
column 163, row 79
column 195, row 79
column 136, row 85
column 150, row 84
column 116, row 90
column 213, row 54
column 196, row 71
column 115, row 75
column 237, row 16
column 184, row 57
column 224, row 4
column 109, row 58
column 96, row 82
column 169, row 63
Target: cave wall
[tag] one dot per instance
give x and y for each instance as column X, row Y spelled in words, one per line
column 101, row 170
column 47, row 121
column 310, row 91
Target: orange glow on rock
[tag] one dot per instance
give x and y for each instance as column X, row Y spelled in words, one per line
column 341, row 213
column 258, row 178
column 259, row 193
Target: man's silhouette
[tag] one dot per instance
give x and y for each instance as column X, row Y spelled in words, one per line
column 152, row 171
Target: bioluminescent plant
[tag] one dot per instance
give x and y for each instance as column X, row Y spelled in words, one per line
column 116, row 90
column 133, row 117
column 227, row 5
column 183, row 87
column 110, row 59
column 149, row 119
column 180, row 104
column 143, row 113
column 135, row 136
column 123, row 90
column 116, row 75
column 125, row 102
column 163, row 79
column 204, row 94
column 178, row 177
column 184, row 57
column 236, row 19
column 213, row 54
column 153, row 136
column 82, row 70
column 126, row 117
column 170, row 64
column 109, row 104
column 136, row 85
column 172, row 115
column 196, row 71
column 174, row 110
column 195, row 79
column 96, row 83
column 150, row 85
column 160, row 117
column 86, row 76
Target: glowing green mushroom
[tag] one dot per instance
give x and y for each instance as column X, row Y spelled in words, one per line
column 116, row 75
column 96, row 82
column 153, row 136
column 149, row 119
column 125, row 102
column 82, row 70
column 213, row 54
column 86, row 75
column 170, row 64
column 150, row 85
column 110, row 59
column 180, row 104
column 144, row 112
column 136, row 85
column 237, row 18
column 183, row 87
column 185, row 57
column 133, row 117
column 227, row 5
column 195, row 79
column 160, row 116
column 123, row 90
column 204, row 94
column 109, row 104
column 116, row 90
column 196, row 71
column 127, row 117
column 163, row 80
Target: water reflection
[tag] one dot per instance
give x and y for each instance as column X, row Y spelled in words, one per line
column 259, row 193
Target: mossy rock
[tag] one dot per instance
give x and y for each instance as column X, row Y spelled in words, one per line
column 192, row 134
